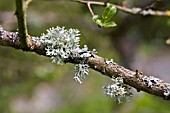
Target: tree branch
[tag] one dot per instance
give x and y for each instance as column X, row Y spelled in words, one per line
column 133, row 10
column 90, row 9
column 135, row 79
column 22, row 25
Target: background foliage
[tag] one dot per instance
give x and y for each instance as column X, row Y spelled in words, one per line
column 30, row 83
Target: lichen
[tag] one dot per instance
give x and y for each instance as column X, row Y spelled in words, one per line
column 118, row 90
column 147, row 12
column 14, row 36
column 167, row 92
column 81, row 70
column 110, row 62
column 2, row 32
column 61, row 44
column 150, row 80
column 136, row 10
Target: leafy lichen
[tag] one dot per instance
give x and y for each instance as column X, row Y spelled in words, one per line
column 150, row 80
column 81, row 70
column 118, row 89
column 62, row 44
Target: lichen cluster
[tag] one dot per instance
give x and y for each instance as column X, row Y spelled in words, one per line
column 118, row 89
column 110, row 62
column 150, row 80
column 1, row 31
column 62, row 44
column 167, row 92
column 81, row 70
column 13, row 36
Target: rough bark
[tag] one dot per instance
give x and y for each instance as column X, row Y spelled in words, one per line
column 131, row 78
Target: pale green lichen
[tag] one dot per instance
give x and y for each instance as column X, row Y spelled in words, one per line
column 62, row 44
column 150, row 80
column 81, row 70
column 118, row 90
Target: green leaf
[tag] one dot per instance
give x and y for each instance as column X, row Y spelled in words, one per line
column 109, row 24
column 97, row 20
column 109, row 11
column 107, row 14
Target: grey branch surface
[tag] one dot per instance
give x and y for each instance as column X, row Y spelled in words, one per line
column 131, row 78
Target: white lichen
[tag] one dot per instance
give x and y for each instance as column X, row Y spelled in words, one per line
column 14, row 36
column 110, row 61
column 118, row 89
column 136, row 10
column 167, row 92
column 150, row 80
column 81, row 70
column 35, row 40
column 147, row 12
column 1, row 34
column 61, row 44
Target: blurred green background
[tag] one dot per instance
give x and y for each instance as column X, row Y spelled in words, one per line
column 30, row 83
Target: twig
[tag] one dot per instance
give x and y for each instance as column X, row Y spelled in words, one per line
column 22, row 25
column 135, row 79
column 90, row 9
column 134, row 10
